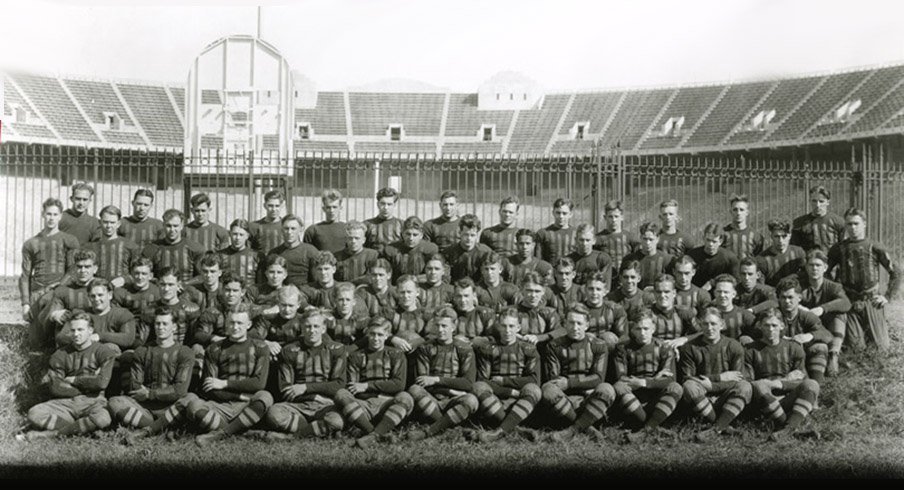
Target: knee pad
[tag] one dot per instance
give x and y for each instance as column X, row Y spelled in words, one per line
column 334, row 421
column 470, row 401
column 674, row 390
column 744, row 390
column 621, row 389
column 118, row 403
column 605, row 392
column 817, row 349
column 277, row 416
column 263, row 396
column 760, row 389
column 551, row 392
column 693, row 390
column 344, row 396
column 404, row 399
column 101, row 418
column 531, row 392
column 810, row 385
column 417, row 392
column 480, row 389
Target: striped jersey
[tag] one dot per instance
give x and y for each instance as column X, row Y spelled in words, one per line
column 211, row 236
column 384, row 370
column 474, row 323
column 500, row 238
column 298, row 261
column 442, row 231
column 277, row 329
column 582, row 362
column 693, row 298
column 738, row 322
column 639, row 300
column 189, row 311
column 266, row 235
column 404, row 321
column 830, row 296
column 352, row 267
column 608, row 317
column 587, row 265
column 514, row 365
column 434, row 296
column 135, row 300
column 562, row 298
column 616, row 245
column 349, row 330
column 699, row 358
column 84, row 227
column 114, row 256
column 775, row 265
column 759, row 298
column 858, row 264
column 203, row 296
column 541, row 321
column 515, row 267
column 247, row 263
column 382, row 232
column 164, row 371
column 810, row 231
column 244, row 365
column 764, row 361
column 554, row 242
column 91, row 367
column 326, row 237
column 454, row 363
column 743, row 243
column 321, row 368
column 141, row 232
column 117, row 326
column 673, row 323
column 806, row 322
column 183, row 255
column 45, row 259
column 71, row 297
column 651, row 266
column 676, row 244
column 409, row 260
column 645, row 361
column 466, row 263
column 498, row 296
column 710, row 266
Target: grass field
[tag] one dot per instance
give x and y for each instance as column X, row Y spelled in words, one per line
column 861, row 422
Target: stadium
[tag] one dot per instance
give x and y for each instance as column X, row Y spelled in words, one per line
column 245, row 123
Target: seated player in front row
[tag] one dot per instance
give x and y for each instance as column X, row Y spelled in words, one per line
column 79, row 374
column 776, row 366
column 575, row 367
column 645, row 372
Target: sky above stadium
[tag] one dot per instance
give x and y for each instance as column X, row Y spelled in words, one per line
column 458, row 44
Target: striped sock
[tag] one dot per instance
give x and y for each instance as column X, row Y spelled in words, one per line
column 356, row 415
column 491, row 407
column 632, row 407
column 519, row 411
column 429, row 408
column 170, row 416
column 563, row 407
column 393, row 416
column 704, row 408
column 209, row 419
column 594, row 409
column 661, row 411
column 454, row 416
column 732, row 408
column 249, row 416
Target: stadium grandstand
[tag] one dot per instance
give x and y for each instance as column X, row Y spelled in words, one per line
column 805, row 111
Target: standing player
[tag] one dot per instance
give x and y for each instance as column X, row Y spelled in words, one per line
column 752, row 294
column 140, row 228
column 688, row 295
column 645, row 370
column 443, row 230
column 653, row 259
column 525, row 260
column 445, row 372
column 328, row 235
column 575, row 366
column 739, row 237
column 776, row 367
column 208, row 234
column 298, row 255
column 827, row 300
column 501, row 237
column 79, row 374
column 114, row 253
column 588, row 261
column 235, row 374
column 673, row 241
column 508, row 377
column 409, row 255
column 376, row 387
column 159, row 378
column 45, row 259
column 781, row 259
column 614, row 241
column 556, row 240
column 804, row 328
column 353, row 261
column 239, row 258
column 76, row 221
column 466, row 256
column 857, row 259
column 384, row 228
column 819, row 228
column 712, row 258
column 172, row 250
column 713, row 365
column 311, row 373
column 267, row 232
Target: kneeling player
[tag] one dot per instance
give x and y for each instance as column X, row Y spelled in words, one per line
column 645, row 369
column 311, row 372
column 576, row 368
column 445, row 372
column 777, row 367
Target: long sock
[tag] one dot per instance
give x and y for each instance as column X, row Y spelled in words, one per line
column 732, row 408
column 802, row 407
column 594, row 409
column 664, row 407
column 133, row 417
column 391, row 418
column 704, row 408
column 773, row 409
column 356, row 415
column 632, row 407
column 452, row 417
column 563, row 407
column 491, row 407
column 249, row 416
column 209, row 419
column 170, row 416
column 429, row 408
column 519, row 411
column 83, row 425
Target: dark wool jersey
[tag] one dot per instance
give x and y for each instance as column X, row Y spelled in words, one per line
column 142, row 232
column 554, row 242
column 244, row 365
column 383, row 371
column 117, row 326
column 135, row 300
column 514, row 269
column 298, row 261
column 409, row 260
column 184, row 256
column 644, row 361
column 85, row 228
column 676, row 244
column 46, row 258
column 500, row 238
column 375, row 301
column 475, row 323
column 349, row 330
column 830, row 296
column 322, row 368
column 693, row 298
column 738, row 322
column 651, row 266
column 266, row 295
column 806, row 322
column 858, row 264
column 466, row 263
column 189, row 309
column 743, row 243
column 326, row 237
column 562, row 299
column 673, row 323
column 277, row 329
column 164, row 371
column 247, row 263
column 454, row 363
column 764, row 361
column 211, row 322
column 322, row 297
column 541, row 321
column 432, row 297
column 775, row 265
column 517, row 364
column 639, row 300
column 710, row 266
column 608, row 317
column 759, row 298
column 382, row 232
column 442, row 231
column 810, row 231
column 582, row 362
column 204, row 297
column 698, row 358
column 72, row 297
column 266, row 235
column 92, row 368
column 404, row 321
column 211, row 236
column 353, row 267
column 114, row 256
column 496, row 297
column 616, row 244
column 587, row 265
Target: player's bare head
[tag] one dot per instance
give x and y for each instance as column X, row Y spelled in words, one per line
column 110, row 210
column 388, row 192
column 165, row 321
column 143, row 193
column 168, row 273
column 210, row 260
column 51, row 203
column 172, row 215
column 736, row 198
column 564, row 266
column 817, row 263
column 448, row 203
column 313, row 325
column 650, row 227
column 289, row 293
column 525, row 241
column 563, row 202
column 748, row 263
column 324, row 258
column 664, row 291
column 276, row 261
column 407, row 291
column 82, row 255
column 727, row 279
column 413, row 223
column 642, row 325
column 469, row 222
column 855, row 223
column 81, row 327
column 238, row 321
column 331, row 203
column 714, row 231
column 142, row 270
column 788, row 292
column 562, row 209
column 668, row 203
column 491, row 267
column 434, row 268
column 80, row 187
column 769, row 320
column 445, row 322
column 380, row 271
column 292, row 226
column 292, row 218
column 855, row 211
column 710, row 322
column 724, row 290
column 577, row 319
column 199, row 199
column 508, row 210
column 377, row 332
column 532, row 289
column 789, row 283
column 233, row 288
column 597, row 285
column 100, row 284
column 779, row 226
column 507, row 325
column 820, row 191
column 613, row 205
column 276, row 195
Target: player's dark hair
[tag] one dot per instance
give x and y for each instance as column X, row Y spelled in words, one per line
column 143, row 193
column 413, row 222
column 241, row 223
column 580, row 309
column 613, row 205
column 52, row 202
column 324, row 258
column 469, row 221
column 230, row 277
column 510, row 200
column 526, row 232
column 787, row 283
column 172, row 213
column 730, row 279
column 112, row 210
column 100, row 282
column 685, row 259
column 650, row 227
column 275, row 194
column 447, row 194
column 274, row 259
column 563, row 201
column 81, row 186
column 199, row 199
column 465, row 283
column 82, row 254
column 292, row 217
column 817, row 253
column 821, row 189
column 388, row 192
column 779, row 225
column 210, row 259
column 748, row 261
